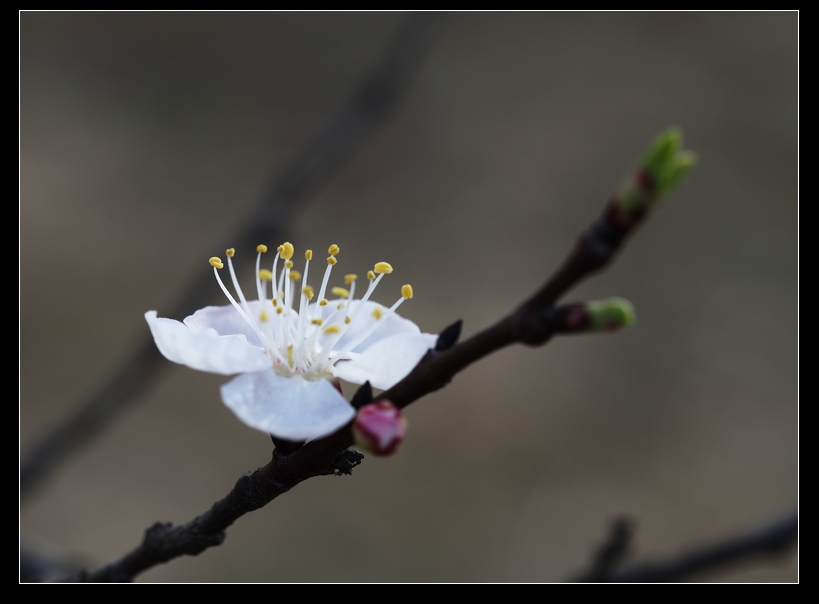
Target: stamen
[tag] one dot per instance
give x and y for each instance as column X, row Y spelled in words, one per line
column 260, row 287
column 305, row 341
column 274, row 290
column 229, row 253
column 216, row 263
column 330, row 262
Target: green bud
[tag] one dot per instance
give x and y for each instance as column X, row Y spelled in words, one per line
column 610, row 314
column 658, row 172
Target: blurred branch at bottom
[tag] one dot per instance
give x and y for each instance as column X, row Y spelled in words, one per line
column 772, row 539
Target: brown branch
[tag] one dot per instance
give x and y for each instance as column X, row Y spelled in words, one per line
column 533, row 323
column 772, row 539
column 371, row 103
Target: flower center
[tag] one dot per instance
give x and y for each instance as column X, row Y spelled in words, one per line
column 306, row 340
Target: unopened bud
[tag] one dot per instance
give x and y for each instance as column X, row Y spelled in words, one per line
column 611, row 314
column 658, row 172
column 379, row 428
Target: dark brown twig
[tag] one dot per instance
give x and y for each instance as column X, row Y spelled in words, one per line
column 771, row 539
column 371, row 103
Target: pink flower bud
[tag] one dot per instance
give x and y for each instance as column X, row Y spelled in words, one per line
column 379, row 428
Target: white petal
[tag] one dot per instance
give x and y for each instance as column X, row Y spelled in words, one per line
column 288, row 407
column 391, row 324
column 205, row 351
column 226, row 321
column 387, row 361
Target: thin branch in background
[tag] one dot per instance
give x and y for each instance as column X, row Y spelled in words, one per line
column 611, row 554
column 532, row 323
column 371, row 103
column 770, row 540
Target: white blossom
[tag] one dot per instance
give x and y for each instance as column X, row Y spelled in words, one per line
column 288, row 357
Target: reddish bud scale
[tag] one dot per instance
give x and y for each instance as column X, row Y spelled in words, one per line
column 577, row 319
column 644, row 180
column 379, row 428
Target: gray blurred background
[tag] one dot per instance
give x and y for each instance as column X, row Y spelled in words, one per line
column 146, row 137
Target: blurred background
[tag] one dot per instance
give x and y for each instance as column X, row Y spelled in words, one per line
column 146, row 138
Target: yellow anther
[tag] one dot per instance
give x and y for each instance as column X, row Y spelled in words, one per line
column 216, row 262
column 308, row 291
column 229, row 252
column 370, row 275
column 263, row 316
column 377, row 313
column 290, row 355
column 279, row 310
column 323, row 302
column 331, row 260
column 261, row 248
column 286, row 250
column 288, row 264
column 308, row 255
column 275, row 302
column 332, row 250
column 295, row 275
column 340, row 292
column 406, row 291
column 317, row 321
column 350, row 278
column 383, row 267
column 347, row 320
column 332, row 329
column 280, row 249
column 265, row 275
column 340, row 305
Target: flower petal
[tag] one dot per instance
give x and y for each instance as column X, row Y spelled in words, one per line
column 387, row 361
column 226, row 321
column 392, row 324
column 205, row 351
column 288, row 407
